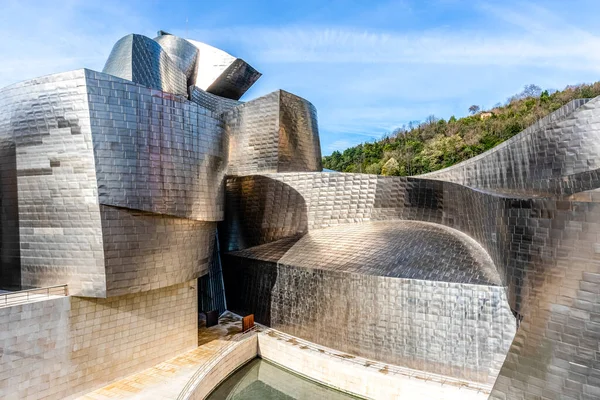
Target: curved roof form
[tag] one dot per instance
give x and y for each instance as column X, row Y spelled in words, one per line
column 182, row 52
column 172, row 64
column 142, row 60
column 399, row 249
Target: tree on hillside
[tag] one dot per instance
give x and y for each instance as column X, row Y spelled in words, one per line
column 391, row 167
column 531, row 91
column 435, row 143
column 474, row 109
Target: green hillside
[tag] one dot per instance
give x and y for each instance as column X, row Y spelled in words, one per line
column 437, row 143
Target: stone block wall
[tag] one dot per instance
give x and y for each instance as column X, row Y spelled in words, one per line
column 64, row 346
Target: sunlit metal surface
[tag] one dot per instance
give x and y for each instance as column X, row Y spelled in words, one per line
column 114, row 182
column 408, row 293
column 222, row 74
column 142, row 60
column 558, row 155
column 182, row 52
column 274, row 133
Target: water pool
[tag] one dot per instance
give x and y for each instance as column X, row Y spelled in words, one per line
column 261, row 380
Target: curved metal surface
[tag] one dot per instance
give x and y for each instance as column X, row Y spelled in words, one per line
column 114, row 187
column 277, row 132
column 558, row 155
column 142, row 60
column 182, row 52
column 222, row 74
column 409, row 293
column 399, row 249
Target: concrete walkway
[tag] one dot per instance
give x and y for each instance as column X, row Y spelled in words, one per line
column 165, row 381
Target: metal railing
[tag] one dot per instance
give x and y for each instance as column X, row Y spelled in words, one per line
column 194, row 381
column 25, row 296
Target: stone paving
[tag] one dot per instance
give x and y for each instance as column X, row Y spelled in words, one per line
column 167, row 379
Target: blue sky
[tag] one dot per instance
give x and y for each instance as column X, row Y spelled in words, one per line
column 367, row 66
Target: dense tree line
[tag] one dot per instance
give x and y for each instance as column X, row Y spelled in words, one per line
column 436, row 143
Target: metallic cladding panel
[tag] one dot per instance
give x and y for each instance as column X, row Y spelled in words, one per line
column 156, row 152
column 253, row 130
column 145, row 251
column 274, row 133
column 454, row 329
column 211, row 63
column 222, row 74
column 235, row 80
column 299, row 145
column 558, row 155
column 399, row 249
column 142, row 60
column 545, row 250
column 210, row 101
column 182, row 52
column 48, row 119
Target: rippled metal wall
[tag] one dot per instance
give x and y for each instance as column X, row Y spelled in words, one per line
column 156, row 152
column 211, row 101
column 557, row 155
column 274, row 133
column 455, row 329
column 183, row 53
column 545, row 250
column 142, row 60
column 118, row 185
column 113, row 187
column 48, row 120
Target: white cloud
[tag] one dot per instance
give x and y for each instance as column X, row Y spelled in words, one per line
column 542, row 38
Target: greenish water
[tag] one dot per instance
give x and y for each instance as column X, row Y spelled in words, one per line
column 261, row 380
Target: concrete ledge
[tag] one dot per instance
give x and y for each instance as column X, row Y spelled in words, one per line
column 343, row 372
column 359, row 376
column 211, row 374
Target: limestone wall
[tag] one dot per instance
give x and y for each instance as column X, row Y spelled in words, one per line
column 61, row 347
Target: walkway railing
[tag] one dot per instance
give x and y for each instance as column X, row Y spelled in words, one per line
column 25, row 296
column 193, row 382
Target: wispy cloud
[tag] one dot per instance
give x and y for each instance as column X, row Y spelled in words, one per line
column 45, row 37
column 367, row 73
column 543, row 38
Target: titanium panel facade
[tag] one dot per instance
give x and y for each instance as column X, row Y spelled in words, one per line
column 235, row 80
column 156, row 152
column 92, row 151
column 211, row 101
column 461, row 330
column 140, row 59
column 222, row 74
column 274, row 133
column 113, row 185
column 545, row 250
column 145, row 251
column 60, row 234
column 183, row 53
column 558, row 155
